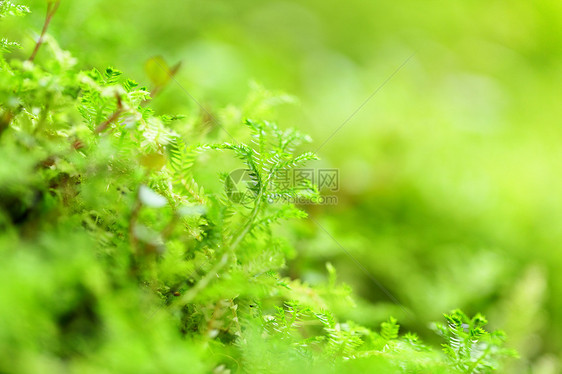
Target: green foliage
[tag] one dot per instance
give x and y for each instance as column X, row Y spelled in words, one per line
column 471, row 348
column 115, row 259
column 8, row 8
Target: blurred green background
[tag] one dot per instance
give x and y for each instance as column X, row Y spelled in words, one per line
column 450, row 176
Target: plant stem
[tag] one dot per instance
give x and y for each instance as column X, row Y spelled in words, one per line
column 5, row 120
column 103, row 126
column 52, row 7
column 203, row 282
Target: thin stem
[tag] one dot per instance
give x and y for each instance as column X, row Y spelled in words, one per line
column 7, row 116
column 474, row 366
column 5, row 120
column 52, row 7
column 203, row 282
column 114, row 116
column 43, row 119
column 157, row 89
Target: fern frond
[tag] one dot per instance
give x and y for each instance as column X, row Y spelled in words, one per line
column 8, row 8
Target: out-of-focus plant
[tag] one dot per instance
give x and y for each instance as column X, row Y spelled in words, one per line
column 116, row 259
